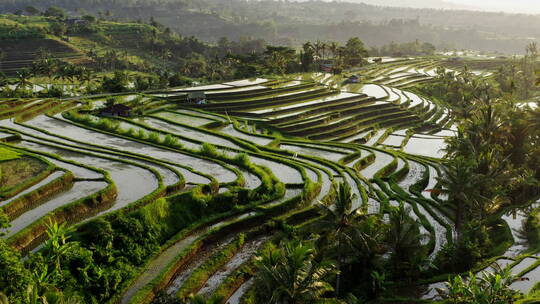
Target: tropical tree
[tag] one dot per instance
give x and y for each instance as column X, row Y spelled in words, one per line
column 333, row 48
column 462, row 185
column 166, row 54
column 117, row 83
column 317, row 47
column 324, row 48
column 23, row 79
column 2, row 56
column 86, row 76
column 354, row 52
column 58, row 246
column 405, row 241
column 290, row 274
column 198, row 299
column 307, row 56
column 340, row 222
column 14, row 277
column 277, row 58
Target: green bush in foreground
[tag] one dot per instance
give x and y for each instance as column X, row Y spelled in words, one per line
column 489, row 288
column 291, row 273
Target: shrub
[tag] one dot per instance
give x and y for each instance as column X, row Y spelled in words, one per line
column 54, row 91
column 209, row 150
column 14, row 277
column 171, row 141
column 154, row 137
column 177, row 80
column 141, row 134
column 491, row 288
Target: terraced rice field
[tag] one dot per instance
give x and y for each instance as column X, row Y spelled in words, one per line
column 297, row 136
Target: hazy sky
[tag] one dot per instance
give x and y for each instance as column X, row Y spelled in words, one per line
column 525, row 6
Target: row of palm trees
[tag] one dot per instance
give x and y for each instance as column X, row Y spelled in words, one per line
column 352, row 53
column 324, row 50
column 68, row 73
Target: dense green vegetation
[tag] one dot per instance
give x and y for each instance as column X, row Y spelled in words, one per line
column 291, row 23
column 114, row 62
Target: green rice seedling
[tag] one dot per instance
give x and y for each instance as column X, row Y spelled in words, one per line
column 154, row 137
column 243, row 159
column 107, row 124
column 209, row 150
column 171, row 141
column 132, row 132
column 141, row 134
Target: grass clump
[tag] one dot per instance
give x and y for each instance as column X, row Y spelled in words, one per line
column 8, row 154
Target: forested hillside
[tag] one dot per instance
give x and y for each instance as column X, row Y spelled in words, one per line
column 292, row 23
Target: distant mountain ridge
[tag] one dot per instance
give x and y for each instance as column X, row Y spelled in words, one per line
column 435, row 4
column 518, row 7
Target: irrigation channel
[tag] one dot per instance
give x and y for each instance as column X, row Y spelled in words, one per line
column 258, row 135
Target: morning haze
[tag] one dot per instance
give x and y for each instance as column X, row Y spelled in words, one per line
column 518, row 6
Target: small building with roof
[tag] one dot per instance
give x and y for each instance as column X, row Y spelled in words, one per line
column 116, row 110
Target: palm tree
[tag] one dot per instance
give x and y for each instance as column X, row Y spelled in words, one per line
column 2, row 56
column 166, row 54
column 334, row 46
column 324, row 47
column 48, row 66
column 198, row 299
column 405, row 239
column 290, row 273
column 461, row 183
column 23, row 79
column 340, row 220
column 85, row 76
column 278, row 62
column 308, row 47
column 317, row 47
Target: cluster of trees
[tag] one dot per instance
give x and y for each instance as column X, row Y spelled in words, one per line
column 493, row 162
column 174, row 61
column 348, row 255
column 351, row 257
column 35, row 281
column 393, row 49
column 353, row 53
column 281, row 59
column 518, row 77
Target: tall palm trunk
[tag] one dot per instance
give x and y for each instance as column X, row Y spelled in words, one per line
column 338, row 265
column 459, row 219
